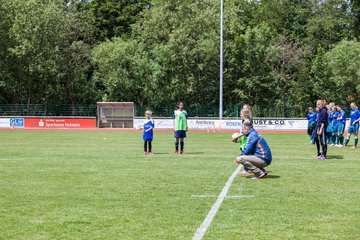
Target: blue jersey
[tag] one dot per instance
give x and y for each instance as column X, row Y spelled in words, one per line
column 256, row 145
column 311, row 117
column 148, row 135
column 331, row 117
column 343, row 115
column 354, row 115
column 335, row 120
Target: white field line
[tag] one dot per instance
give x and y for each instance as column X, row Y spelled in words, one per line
column 20, row 159
column 213, row 196
column 241, row 196
column 203, row 196
column 199, row 234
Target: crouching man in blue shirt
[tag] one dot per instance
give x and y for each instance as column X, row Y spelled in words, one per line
column 256, row 155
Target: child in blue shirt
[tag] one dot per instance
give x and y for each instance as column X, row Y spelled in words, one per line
column 330, row 129
column 311, row 117
column 354, row 124
column 335, row 125
column 341, row 126
column 148, row 133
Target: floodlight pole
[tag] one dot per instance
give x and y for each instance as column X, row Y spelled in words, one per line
column 221, row 61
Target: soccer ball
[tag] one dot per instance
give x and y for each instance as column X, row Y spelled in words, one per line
column 235, row 136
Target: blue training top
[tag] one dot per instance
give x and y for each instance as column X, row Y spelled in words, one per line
column 354, row 115
column 343, row 115
column 311, row 117
column 331, row 117
column 257, row 146
column 148, row 123
column 335, row 122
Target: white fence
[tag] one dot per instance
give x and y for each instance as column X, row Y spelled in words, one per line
column 264, row 123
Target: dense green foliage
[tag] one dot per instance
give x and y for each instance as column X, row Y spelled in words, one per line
column 99, row 185
column 156, row 52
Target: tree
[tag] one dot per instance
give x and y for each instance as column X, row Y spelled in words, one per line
column 288, row 18
column 177, row 59
column 330, row 23
column 75, row 60
column 343, row 62
column 355, row 11
column 257, row 53
column 318, row 85
column 123, row 71
column 286, row 69
column 7, row 63
column 113, row 18
column 35, row 37
column 46, row 51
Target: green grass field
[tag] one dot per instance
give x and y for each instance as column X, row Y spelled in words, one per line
column 99, row 185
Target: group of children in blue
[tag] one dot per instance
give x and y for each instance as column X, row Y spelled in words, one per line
column 335, row 125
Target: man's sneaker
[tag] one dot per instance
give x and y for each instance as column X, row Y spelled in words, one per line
column 176, row 152
column 322, row 157
column 319, row 156
column 259, row 175
column 145, row 153
column 331, row 144
column 182, row 152
column 263, row 174
column 150, row 153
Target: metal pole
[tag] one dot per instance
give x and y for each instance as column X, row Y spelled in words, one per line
column 221, row 61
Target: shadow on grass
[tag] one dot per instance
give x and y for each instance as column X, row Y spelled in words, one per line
column 272, row 177
column 267, row 177
column 171, row 153
column 335, row 157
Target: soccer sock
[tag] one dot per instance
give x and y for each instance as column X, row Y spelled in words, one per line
column 346, row 141
column 337, row 140
column 177, row 146
column 145, row 146
column 356, row 141
column 182, row 146
column 328, row 137
column 149, row 146
column 341, row 140
column 333, row 138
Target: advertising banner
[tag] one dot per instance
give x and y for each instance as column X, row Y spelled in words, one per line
column 160, row 123
column 265, row 124
column 60, row 122
column 11, row 122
